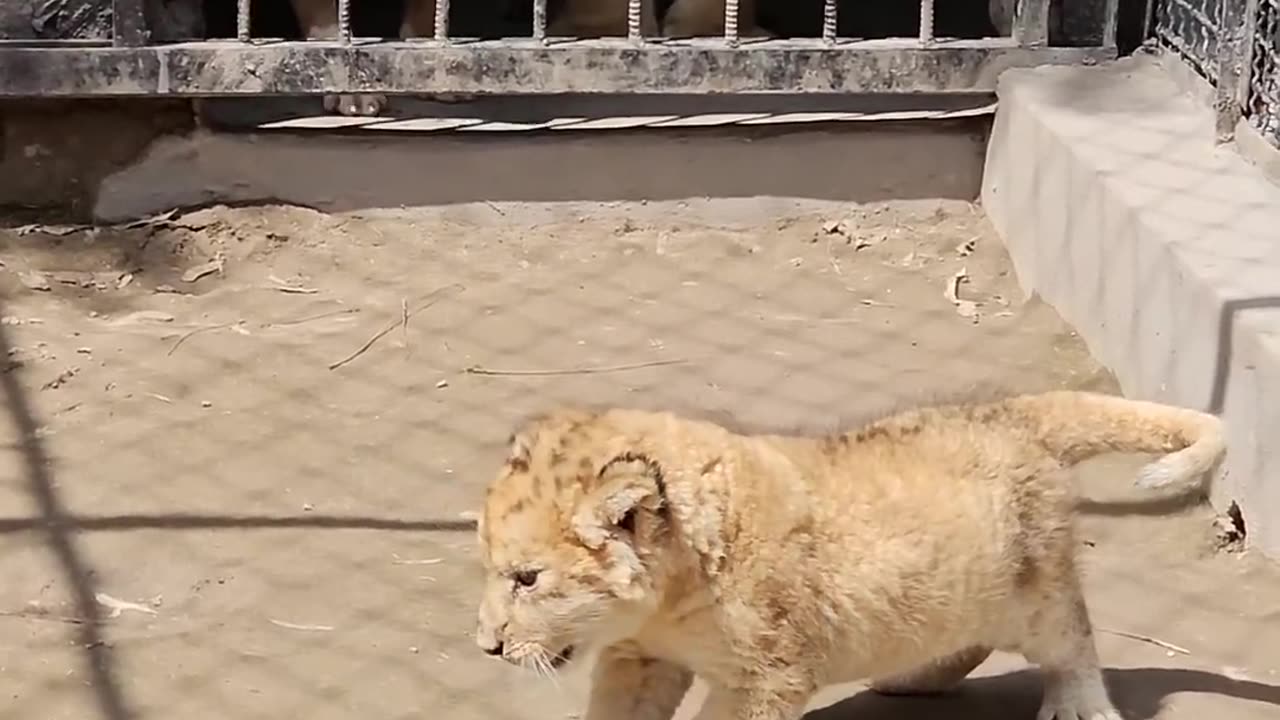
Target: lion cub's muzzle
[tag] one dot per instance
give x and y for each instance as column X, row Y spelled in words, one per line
column 492, row 644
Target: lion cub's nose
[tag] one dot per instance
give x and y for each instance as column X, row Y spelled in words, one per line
column 489, row 639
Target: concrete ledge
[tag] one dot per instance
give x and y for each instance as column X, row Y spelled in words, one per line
column 1160, row 247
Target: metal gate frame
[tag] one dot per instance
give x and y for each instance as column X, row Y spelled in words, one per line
column 129, row 66
column 1235, row 46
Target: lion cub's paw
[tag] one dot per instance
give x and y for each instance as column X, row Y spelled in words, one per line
column 1070, row 706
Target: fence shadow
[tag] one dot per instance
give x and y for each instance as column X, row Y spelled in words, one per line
column 60, row 535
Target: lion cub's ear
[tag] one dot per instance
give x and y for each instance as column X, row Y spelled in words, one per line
column 521, row 451
column 627, row 484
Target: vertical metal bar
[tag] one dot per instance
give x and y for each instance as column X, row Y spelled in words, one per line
column 731, row 22
column 128, row 23
column 1110, row 21
column 344, row 21
column 1249, row 37
column 633, row 19
column 1234, row 42
column 442, row 20
column 243, row 11
column 829, row 20
column 1149, row 21
column 926, row 22
column 540, row 19
column 1031, row 23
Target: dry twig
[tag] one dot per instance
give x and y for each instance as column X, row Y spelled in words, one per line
column 1147, row 639
column 197, row 331
column 296, row 626
column 46, row 617
column 312, row 318
column 431, row 299
column 478, row 370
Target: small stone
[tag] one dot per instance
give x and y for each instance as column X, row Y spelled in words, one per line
column 35, row 281
column 206, row 404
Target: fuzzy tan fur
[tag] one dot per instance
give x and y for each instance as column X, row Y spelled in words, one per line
column 901, row 552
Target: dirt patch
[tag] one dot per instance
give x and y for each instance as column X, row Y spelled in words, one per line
column 276, row 538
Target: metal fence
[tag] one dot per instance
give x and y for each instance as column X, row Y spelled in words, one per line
column 838, row 58
column 1262, row 103
column 1235, row 45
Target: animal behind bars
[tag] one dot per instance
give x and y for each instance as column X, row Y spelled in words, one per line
column 318, row 19
column 491, row 19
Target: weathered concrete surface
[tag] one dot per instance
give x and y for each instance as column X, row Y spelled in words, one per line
column 884, row 161
column 1162, row 249
column 54, row 154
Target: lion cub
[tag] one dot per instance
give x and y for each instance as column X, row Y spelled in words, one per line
column 903, row 552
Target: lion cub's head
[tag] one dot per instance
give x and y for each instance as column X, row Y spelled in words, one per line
column 570, row 533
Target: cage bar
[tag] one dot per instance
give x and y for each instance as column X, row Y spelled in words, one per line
column 244, row 9
column 731, row 22
column 1110, row 22
column 1235, row 65
column 344, row 22
column 926, row 22
column 128, row 23
column 829, row 19
column 540, row 19
column 442, row 20
column 1031, row 23
column 633, row 19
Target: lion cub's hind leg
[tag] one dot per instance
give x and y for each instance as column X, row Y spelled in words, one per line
column 939, row 676
column 1061, row 642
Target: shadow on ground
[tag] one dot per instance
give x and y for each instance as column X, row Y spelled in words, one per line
column 1139, row 693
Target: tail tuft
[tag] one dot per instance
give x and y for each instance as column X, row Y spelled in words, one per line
column 1076, row 425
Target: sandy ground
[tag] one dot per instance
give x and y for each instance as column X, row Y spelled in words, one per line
column 267, row 536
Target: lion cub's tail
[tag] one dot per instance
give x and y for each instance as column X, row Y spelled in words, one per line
column 1079, row 425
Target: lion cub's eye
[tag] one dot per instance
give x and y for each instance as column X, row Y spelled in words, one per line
column 526, row 578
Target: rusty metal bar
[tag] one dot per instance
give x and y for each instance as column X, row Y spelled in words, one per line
column 1110, row 23
column 244, row 9
column 1235, row 53
column 128, row 23
column 926, row 22
column 540, row 20
column 442, row 20
column 829, row 19
column 1031, row 23
column 633, row 19
column 344, row 22
column 208, row 68
column 731, row 12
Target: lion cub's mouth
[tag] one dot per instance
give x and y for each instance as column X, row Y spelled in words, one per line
column 562, row 657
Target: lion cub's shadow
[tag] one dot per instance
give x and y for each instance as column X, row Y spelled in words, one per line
column 1138, row 693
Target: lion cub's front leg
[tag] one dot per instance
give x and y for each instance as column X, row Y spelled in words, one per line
column 628, row 688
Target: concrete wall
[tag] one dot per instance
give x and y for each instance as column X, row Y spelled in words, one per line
column 336, row 173
column 54, row 154
column 1160, row 247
